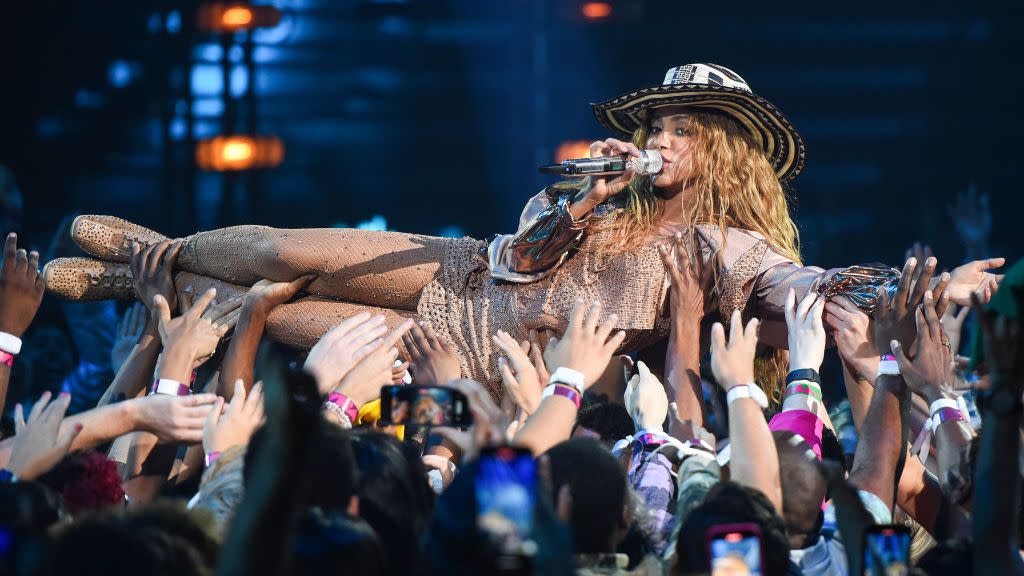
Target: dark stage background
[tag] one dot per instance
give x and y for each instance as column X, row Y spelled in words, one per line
column 431, row 116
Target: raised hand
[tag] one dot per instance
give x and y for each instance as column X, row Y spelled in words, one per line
column 894, row 319
column 21, row 287
column 689, row 282
column 854, row 336
column 38, row 444
column 587, row 345
column 919, row 252
column 362, row 383
column 521, row 379
column 192, row 337
column 344, row 346
column 536, row 353
column 972, row 277
column 129, row 330
column 1003, row 346
column 237, row 423
column 930, row 373
column 151, row 271
column 806, row 332
column 732, row 362
column 972, row 218
column 265, row 295
column 646, row 400
column 431, row 360
column 175, row 419
column 489, row 422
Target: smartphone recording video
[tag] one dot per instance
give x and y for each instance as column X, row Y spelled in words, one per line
column 735, row 550
column 887, row 550
column 424, row 406
column 505, row 493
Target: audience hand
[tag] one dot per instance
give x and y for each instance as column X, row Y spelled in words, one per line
column 930, row 373
column 854, row 337
column 38, row 444
column 646, row 400
column 265, row 295
column 151, row 271
column 894, row 319
column 489, row 422
column 1003, row 343
column 538, row 342
column 172, row 419
column 587, row 345
column 21, row 288
column 521, row 380
column 972, row 218
column 129, row 330
column 431, row 360
column 686, row 430
column 919, row 252
column 237, row 423
column 732, row 362
column 806, row 333
column 191, row 338
column 689, row 282
column 342, row 347
column 972, row 277
column 363, row 382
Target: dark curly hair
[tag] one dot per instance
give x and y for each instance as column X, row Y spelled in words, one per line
column 732, row 503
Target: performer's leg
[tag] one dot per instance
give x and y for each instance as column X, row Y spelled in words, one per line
column 386, row 269
column 302, row 322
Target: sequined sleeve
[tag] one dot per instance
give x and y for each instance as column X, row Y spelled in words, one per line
column 547, row 232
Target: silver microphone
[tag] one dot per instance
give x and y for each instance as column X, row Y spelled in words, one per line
column 649, row 162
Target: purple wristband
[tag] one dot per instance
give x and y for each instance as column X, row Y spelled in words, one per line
column 346, row 404
column 211, row 457
column 947, row 414
column 566, row 391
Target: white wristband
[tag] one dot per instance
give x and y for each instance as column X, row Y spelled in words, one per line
column 888, row 367
column 752, row 391
column 569, row 377
column 10, row 343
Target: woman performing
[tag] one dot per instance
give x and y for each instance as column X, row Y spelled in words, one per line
column 727, row 154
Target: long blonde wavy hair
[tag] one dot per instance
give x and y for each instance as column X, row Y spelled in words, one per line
column 736, row 188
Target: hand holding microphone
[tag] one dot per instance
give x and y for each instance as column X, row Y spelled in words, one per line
column 611, row 166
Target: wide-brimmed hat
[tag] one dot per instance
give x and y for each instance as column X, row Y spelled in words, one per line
column 716, row 87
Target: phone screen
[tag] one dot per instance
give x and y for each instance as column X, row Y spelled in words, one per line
column 736, row 554
column 886, row 551
column 424, row 406
column 505, row 492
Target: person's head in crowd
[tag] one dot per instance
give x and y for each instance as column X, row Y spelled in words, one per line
column 606, row 421
column 27, row 511
column 592, row 475
column 454, row 545
column 160, row 539
column 334, row 543
column 332, row 475
column 731, row 503
column 803, row 489
column 949, row 557
column 86, row 481
column 394, row 497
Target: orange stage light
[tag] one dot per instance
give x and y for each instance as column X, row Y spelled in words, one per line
column 219, row 17
column 572, row 149
column 597, row 10
column 231, row 153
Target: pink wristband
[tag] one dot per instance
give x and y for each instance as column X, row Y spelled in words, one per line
column 211, row 457
column 564, row 390
column 7, row 359
column 346, row 404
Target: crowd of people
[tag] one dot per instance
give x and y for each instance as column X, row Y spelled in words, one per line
column 211, row 452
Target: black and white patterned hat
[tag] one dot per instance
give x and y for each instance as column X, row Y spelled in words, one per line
column 716, row 87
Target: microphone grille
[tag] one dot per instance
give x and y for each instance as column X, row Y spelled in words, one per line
column 648, row 163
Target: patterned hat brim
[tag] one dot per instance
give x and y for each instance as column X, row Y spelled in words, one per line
column 778, row 137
